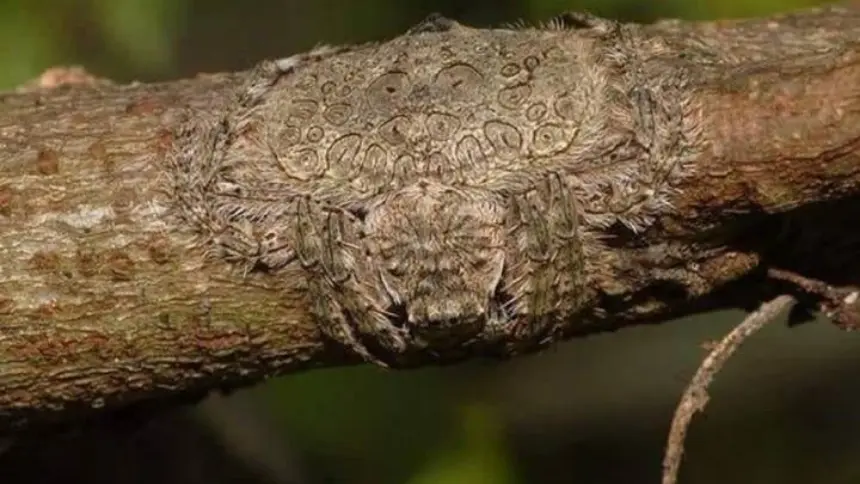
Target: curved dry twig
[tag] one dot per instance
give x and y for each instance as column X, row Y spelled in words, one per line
column 696, row 394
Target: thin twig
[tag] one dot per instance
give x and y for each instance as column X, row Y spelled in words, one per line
column 696, row 394
column 840, row 304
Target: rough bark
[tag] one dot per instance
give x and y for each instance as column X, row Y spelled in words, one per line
column 105, row 302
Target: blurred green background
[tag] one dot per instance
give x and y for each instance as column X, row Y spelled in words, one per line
column 595, row 410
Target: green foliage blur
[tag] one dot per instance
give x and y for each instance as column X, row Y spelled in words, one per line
column 143, row 38
column 589, row 411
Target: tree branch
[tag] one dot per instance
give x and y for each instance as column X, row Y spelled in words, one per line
column 102, row 303
column 105, row 299
column 696, row 396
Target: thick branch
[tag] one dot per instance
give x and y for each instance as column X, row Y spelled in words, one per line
column 106, row 301
column 102, row 302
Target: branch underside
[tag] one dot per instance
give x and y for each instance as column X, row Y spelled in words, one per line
column 106, row 300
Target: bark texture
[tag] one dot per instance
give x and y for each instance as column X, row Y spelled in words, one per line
column 105, row 302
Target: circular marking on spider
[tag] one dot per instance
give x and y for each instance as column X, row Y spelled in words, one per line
column 513, row 97
column 505, row 138
column 338, row 114
column 386, row 92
